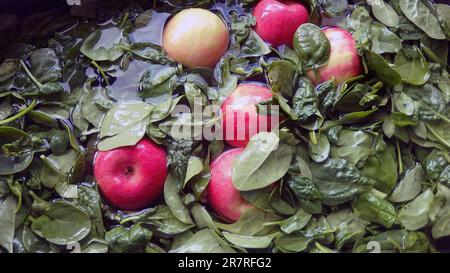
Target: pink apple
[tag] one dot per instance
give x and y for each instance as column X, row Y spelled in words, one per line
column 196, row 38
column 131, row 177
column 222, row 196
column 344, row 62
column 277, row 20
column 240, row 119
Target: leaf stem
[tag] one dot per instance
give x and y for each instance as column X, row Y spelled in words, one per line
column 100, row 70
column 20, row 114
column 399, row 155
column 124, row 20
column 313, row 137
column 32, row 78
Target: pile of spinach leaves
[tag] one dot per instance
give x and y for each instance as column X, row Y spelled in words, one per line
column 357, row 163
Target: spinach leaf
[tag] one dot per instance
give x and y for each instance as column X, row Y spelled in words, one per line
column 381, row 68
column 157, row 83
column 104, row 44
column 395, row 241
column 319, row 152
column 410, row 185
column 124, row 125
column 89, row 199
column 204, row 241
column 250, row 241
column 131, row 239
column 384, row 12
column 347, row 226
column 172, row 187
column 311, row 46
column 338, row 181
column 178, row 152
column 437, row 166
column 7, row 224
column 264, row 161
column 421, row 16
column 412, row 66
column 414, row 215
column 304, row 102
column 161, row 217
column 281, row 75
column 372, row 208
column 382, row 167
column 383, row 40
column 62, row 223
column 11, row 163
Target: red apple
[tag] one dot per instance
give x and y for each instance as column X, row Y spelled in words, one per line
column 344, row 62
column 131, row 177
column 196, row 38
column 222, row 196
column 240, row 119
column 277, row 20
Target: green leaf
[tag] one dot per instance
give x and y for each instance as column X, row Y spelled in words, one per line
column 7, row 224
column 304, row 102
column 178, row 152
column 281, row 75
column 62, row 223
column 360, row 22
column 441, row 211
column 353, row 146
column 104, row 44
column 384, row 12
column 194, row 167
column 307, row 193
column 254, row 46
column 414, row 215
column 383, row 40
column 435, row 50
column 292, row 242
column 334, row 7
column 10, row 164
column 312, row 46
column 160, row 217
column 433, row 105
column 421, row 16
column 396, row 241
column 172, row 187
column 437, row 167
column 264, row 161
column 412, row 66
column 347, row 227
column 247, row 241
column 338, row 181
column 203, row 242
column 131, row 239
column 251, row 222
column 124, row 125
column 296, row 222
column 381, row 68
column 89, row 199
column 382, row 168
column 158, row 83
column 410, row 185
column 57, row 169
column 319, row 152
column 372, row 208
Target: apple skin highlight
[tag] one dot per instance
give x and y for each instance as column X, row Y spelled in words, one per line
column 131, row 177
column 196, row 38
column 277, row 20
